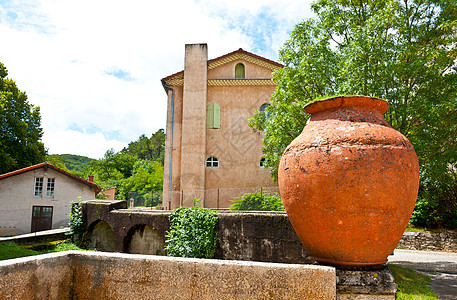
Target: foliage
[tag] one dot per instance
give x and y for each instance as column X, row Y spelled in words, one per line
column 258, row 201
column 75, row 218
column 66, row 246
column 436, row 206
column 56, row 162
column 146, row 176
column 399, row 50
column 146, row 198
column 137, row 168
column 9, row 250
column 20, row 128
column 112, row 167
column 152, row 149
column 192, row 232
column 75, row 164
column 412, row 284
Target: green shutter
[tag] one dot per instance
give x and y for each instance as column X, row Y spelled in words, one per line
column 213, row 116
column 239, row 71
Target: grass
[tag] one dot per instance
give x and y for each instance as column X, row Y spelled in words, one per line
column 412, row 284
column 9, row 250
column 412, row 228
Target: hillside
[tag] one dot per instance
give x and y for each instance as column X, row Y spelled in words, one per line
column 75, row 164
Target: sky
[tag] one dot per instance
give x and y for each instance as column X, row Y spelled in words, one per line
column 94, row 66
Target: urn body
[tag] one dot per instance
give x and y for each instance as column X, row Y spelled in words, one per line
column 349, row 182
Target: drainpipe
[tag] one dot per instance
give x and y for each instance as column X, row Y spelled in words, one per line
column 171, row 139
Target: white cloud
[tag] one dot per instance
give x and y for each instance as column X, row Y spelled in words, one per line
column 64, row 53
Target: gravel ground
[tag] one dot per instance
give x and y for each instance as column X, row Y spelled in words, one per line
column 440, row 266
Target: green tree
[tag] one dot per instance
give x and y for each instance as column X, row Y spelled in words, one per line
column 258, row 201
column 148, row 148
column 112, row 168
column 20, row 128
column 147, row 176
column 403, row 51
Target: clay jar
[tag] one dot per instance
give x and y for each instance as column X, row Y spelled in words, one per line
column 349, row 182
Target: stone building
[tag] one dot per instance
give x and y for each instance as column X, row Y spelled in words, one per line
column 38, row 198
column 211, row 152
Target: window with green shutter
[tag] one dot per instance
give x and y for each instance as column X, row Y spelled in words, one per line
column 239, row 71
column 213, row 116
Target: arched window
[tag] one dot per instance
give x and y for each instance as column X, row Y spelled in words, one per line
column 262, row 109
column 239, row 71
column 213, row 116
column 262, row 162
column 212, row 162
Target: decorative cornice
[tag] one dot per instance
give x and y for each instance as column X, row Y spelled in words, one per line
column 234, row 82
column 226, row 82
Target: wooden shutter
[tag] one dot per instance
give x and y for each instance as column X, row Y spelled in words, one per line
column 239, row 71
column 213, row 116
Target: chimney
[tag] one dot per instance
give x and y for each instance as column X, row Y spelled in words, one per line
column 91, row 178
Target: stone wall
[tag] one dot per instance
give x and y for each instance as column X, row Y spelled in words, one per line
column 46, row 276
column 427, row 241
column 250, row 236
column 91, row 275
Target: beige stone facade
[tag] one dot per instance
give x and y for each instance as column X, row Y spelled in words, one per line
column 215, row 156
column 19, row 198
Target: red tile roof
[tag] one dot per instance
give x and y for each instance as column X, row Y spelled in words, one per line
column 47, row 165
column 228, row 54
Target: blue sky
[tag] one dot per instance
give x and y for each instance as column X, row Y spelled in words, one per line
column 94, row 67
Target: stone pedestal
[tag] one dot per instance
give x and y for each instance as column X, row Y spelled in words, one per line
column 373, row 284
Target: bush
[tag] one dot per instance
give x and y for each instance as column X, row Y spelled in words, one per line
column 436, row 205
column 192, row 232
column 258, row 201
column 76, row 218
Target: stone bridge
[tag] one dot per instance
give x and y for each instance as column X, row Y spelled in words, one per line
column 252, row 236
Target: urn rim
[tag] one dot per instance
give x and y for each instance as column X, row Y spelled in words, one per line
column 347, row 101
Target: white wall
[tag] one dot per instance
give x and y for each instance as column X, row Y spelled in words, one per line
column 17, row 199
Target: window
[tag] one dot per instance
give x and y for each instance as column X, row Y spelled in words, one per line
column 262, row 162
column 263, row 107
column 47, row 211
column 50, row 188
column 239, row 71
column 39, row 187
column 213, row 116
column 212, row 162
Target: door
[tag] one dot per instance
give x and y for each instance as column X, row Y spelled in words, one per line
column 41, row 218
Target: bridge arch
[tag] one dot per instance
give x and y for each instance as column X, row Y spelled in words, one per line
column 144, row 239
column 100, row 236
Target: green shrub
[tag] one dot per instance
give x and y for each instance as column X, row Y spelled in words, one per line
column 192, row 232
column 436, row 205
column 258, row 201
column 76, row 218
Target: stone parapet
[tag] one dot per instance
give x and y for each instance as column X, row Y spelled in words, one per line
column 428, row 241
column 90, row 275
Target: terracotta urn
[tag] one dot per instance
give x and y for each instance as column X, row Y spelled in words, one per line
column 349, row 182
